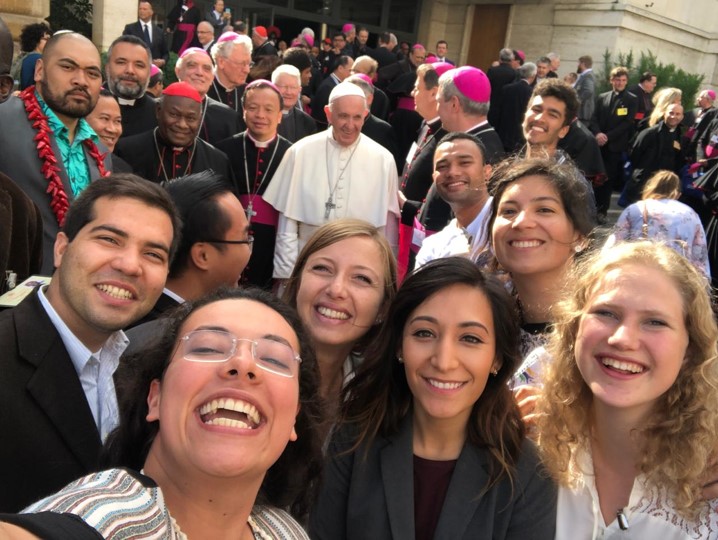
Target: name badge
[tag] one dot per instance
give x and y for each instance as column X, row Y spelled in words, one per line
column 622, row 111
column 676, row 145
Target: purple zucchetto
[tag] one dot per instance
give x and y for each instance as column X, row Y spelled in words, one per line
column 442, row 67
column 472, row 83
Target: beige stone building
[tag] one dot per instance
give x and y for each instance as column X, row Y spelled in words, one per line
column 676, row 31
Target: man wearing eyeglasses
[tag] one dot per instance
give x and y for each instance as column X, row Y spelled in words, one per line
column 233, row 59
column 214, row 248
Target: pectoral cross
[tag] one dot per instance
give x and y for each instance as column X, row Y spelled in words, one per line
column 329, row 205
column 250, row 212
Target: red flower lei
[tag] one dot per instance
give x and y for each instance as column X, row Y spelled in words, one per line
column 49, row 168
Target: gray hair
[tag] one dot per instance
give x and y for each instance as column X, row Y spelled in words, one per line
column 448, row 89
column 367, row 88
column 506, row 55
column 286, row 69
column 527, row 71
column 224, row 49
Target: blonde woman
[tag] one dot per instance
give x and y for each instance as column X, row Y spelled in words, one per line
column 630, row 400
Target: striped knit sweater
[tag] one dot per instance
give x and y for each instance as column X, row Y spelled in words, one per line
column 122, row 504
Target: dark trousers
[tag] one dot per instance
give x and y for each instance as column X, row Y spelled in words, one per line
column 613, row 162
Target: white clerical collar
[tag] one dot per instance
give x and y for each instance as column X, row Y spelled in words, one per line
column 477, row 126
column 226, row 89
column 173, row 295
column 260, row 144
column 123, row 101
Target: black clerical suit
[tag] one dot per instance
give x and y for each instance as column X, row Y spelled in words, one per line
column 250, row 178
column 143, row 153
column 138, row 115
column 158, row 45
column 219, row 121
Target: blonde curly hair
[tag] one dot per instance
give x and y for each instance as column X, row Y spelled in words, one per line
column 688, row 411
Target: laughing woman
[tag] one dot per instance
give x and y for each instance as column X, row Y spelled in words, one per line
column 631, row 398
column 225, row 436
column 431, row 444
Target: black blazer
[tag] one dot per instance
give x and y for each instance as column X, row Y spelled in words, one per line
column 159, row 45
column 373, row 498
column 50, row 436
column 612, row 121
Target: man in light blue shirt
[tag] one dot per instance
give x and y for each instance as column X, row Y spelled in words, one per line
column 61, row 346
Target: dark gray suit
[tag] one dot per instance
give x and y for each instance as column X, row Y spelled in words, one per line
column 373, row 498
column 19, row 160
column 49, row 435
column 586, row 90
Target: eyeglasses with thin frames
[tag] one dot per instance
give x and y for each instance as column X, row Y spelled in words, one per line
column 217, row 346
column 249, row 241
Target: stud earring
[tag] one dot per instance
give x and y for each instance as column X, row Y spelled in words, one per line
column 578, row 248
column 494, row 371
column 400, row 358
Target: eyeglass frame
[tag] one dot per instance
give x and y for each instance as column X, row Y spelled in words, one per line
column 249, row 241
column 181, row 342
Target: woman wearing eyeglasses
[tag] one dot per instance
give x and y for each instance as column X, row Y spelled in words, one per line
column 225, row 436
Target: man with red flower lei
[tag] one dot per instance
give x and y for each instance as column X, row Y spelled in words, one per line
column 47, row 147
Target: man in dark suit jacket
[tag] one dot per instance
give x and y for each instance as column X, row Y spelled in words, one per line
column 155, row 37
column 19, row 157
column 340, row 71
column 613, row 125
column 499, row 76
column 383, row 54
column 516, row 98
column 643, row 90
column 62, row 345
column 217, row 17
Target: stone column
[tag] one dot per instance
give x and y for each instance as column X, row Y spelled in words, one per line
column 109, row 18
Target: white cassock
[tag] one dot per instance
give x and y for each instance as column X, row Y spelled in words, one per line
column 358, row 181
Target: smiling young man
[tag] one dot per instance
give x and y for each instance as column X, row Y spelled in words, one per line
column 62, row 345
column 173, row 149
column 460, row 176
column 68, row 79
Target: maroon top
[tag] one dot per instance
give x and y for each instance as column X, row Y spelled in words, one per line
column 431, row 482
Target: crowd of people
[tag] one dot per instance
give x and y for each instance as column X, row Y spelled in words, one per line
column 317, row 289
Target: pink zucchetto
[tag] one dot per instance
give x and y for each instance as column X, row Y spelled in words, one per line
column 227, row 36
column 193, row 50
column 442, row 67
column 364, row 77
column 472, row 83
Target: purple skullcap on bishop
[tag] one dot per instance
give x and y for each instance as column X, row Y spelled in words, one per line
column 262, row 82
column 472, row 83
column 442, row 67
column 154, row 70
column 228, row 36
column 193, row 50
column 364, row 77
column 711, row 94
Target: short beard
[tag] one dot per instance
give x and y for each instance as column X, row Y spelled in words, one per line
column 62, row 105
column 119, row 89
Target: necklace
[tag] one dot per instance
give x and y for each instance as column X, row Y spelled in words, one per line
column 49, row 168
column 226, row 93
column 205, row 105
column 250, row 210
column 161, row 156
column 330, row 205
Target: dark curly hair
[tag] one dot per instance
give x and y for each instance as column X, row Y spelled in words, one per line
column 31, row 34
column 291, row 481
